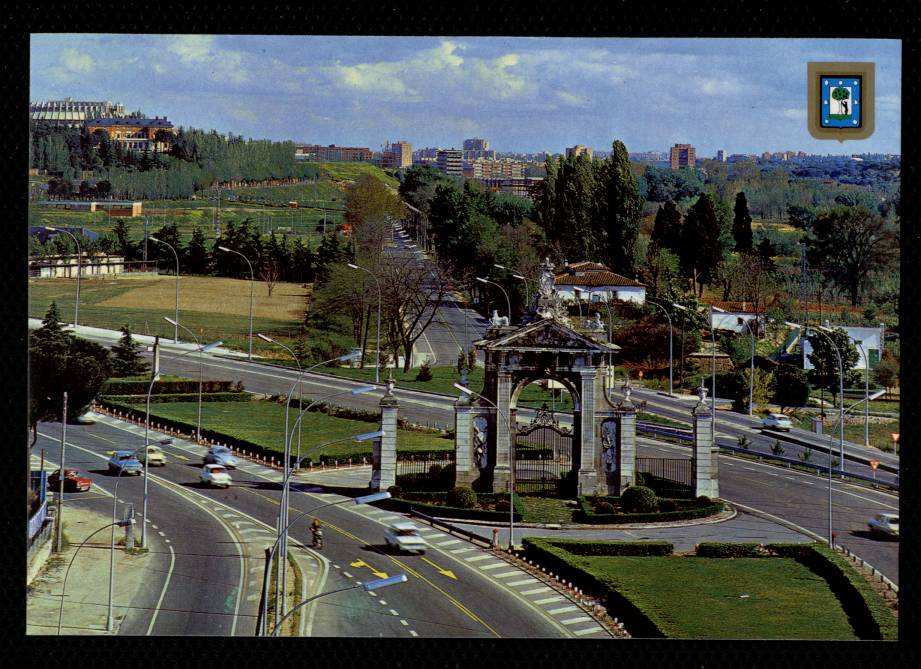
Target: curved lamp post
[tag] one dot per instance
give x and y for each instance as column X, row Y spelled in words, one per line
column 670, row 350
column 252, row 285
column 363, row 499
column 377, row 367
column 146, row 458
column 508, row 302
column 79, row 271
column 713, row 375
column 682, row 309
column 201, row 367
column 518, row 274
column 512, row 463
column 866, row 394
column 368, row 586
column 751, row 373
column 825, row 331
column 176, row 322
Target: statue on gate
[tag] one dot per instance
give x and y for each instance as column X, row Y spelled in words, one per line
column 480, row 433
column 608, row 445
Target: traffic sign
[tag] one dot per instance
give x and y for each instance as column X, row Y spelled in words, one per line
column 874, row 464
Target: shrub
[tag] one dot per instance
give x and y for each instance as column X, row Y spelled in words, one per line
column 727, row 550
column 425, row 372
column 503, row 505
column 703, row 500
column 395, row 491
column 639, row 499
column 777, row 448
column 744, row 442
column 604, row 507
column 462, row 497
column 639, row 479
column 667, row 505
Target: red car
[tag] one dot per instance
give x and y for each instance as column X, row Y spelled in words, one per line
column 73, row 482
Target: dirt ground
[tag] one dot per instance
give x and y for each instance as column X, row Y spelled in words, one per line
column 214, row 295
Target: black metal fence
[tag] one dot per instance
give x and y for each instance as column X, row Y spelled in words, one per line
column 668, row 477
column 543, row 458
column 422, row 468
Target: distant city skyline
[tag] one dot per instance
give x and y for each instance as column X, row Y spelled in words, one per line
column 524, row 95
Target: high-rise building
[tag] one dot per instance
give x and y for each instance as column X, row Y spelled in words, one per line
column 476, row 144
column 682, row 155
column 579, row 150
column 397, row 155
column 450, row 162
column 332, row 153
column 721, row 155
column 71, row 113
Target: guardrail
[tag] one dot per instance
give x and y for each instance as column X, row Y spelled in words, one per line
column 449, row 527
column 687, row 435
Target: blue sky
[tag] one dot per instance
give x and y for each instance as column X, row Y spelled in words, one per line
column 523, row 94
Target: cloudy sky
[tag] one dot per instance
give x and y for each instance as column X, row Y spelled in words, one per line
column 523, row 94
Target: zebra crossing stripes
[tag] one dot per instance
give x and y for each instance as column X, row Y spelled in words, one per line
column 477, row 558
column 547, row 600
column 450, row 542
column 506, row 574
column 524, row 581
column 588, row 630
column 494, row 565
column 563, row 609
column 577, row 619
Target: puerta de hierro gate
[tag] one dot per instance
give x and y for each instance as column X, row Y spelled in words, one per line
column 598, row 451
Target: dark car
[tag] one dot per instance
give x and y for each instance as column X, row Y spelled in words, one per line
column 73, row 482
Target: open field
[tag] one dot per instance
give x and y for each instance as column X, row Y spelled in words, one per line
column 262, row 423
column 217, row 308
column 720, row 598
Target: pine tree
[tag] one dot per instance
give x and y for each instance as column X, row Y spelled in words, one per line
column 126, row 359
column 701, row 251
column 742, row 225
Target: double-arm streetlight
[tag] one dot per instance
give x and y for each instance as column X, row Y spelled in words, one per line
column 805, row 333
column 252, row 286
column 146, row 458
column 79, row 271
column 670, row 336
column 508, row 302
column 511, row 457
column 866, row 394
column 363, row 499
column 518, row 274
column 751, row 373
column 175, row 322
column 201, row 367
column 377, row 367
column 826, row 331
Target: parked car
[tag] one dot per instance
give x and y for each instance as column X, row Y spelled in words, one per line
column 155, row 455
column 777, row 421
column 405, row 536
column 221, row 455
column 215, row 475
column 885, row 524
column 73, row 482
column 125, row 462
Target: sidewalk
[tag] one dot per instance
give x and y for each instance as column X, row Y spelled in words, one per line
column 86, row 598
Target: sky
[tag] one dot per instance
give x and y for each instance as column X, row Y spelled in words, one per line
column 522, row 94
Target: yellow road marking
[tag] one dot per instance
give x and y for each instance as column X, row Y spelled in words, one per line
column 181, row 457
column 443, row 572
column 362, row 563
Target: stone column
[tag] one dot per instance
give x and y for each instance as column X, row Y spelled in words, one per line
column 626, row 449
column 589, row 458
column 384, row 458
column 704, row 469
column 466, row 470
column 502, row 471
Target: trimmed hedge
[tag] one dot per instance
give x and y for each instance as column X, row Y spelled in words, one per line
column 713, row 549
column 232, row 396
column 561, row 562
column 606, row 547
column 167, row 387
column 417, row 501
column 586, row 513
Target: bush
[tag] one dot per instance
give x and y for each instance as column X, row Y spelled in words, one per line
column 503, row 505
column 639, row 499
column 667, row 505
column 777, row 448
column 586, row 547
column 727, row 550
column 639, row 480
column 461, row 497
column 425, row 372
column 395, row 491
column 604, row 507
column 703, row 500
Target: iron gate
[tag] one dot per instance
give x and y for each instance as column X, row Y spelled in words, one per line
column 668, row 477
column 543, row 456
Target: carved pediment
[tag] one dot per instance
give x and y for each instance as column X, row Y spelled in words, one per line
column 547, row 334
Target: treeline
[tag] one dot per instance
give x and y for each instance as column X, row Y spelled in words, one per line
column 194, row 161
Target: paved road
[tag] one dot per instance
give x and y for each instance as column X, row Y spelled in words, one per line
column 455, row 590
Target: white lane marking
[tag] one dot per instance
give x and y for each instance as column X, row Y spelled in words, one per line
column 383, row 602
column 152, row 525
column 253, row 597
column 413, row 633
column 494, row 565
column 475, row 558
column 524, row 581
column 161, row 534
column 461, row 550
column 547, row 600
column 346, row 574
column 166, row 540
column 588, row 630
column 543, row 588
column 573, row 621
column 450, row 542
column 506, row 574
column 563, row 609
column 169, row 573
column 393, row 613
column 404, row 623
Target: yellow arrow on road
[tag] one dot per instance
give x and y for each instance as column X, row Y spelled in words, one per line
column 362, row 563
column 443, row 572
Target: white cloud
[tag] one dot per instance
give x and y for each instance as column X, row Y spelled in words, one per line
column 74, row 61
column 571, row 100
column 796, row 113
column 243, row 114
column 201, row 52
column 192, row 49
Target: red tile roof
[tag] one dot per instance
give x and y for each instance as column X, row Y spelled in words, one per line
column 596, row 278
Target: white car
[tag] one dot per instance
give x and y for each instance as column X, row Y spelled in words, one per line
column 405, row 536
column 777, row 421
column 155, row 456
column 885, row 524
column 215, row 475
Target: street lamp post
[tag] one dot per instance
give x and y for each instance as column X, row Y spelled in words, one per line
column 176, row 322
column 79, row 270
column 512, row 463
column 146, row 459
column 508, row 302
column 825, row 331
column 518, row 274
column 670, row 351
column 682, row 309
column 201, row 369
column 252, row 285
column 578, row 300
column 713, row 374
column 751, row 373
column 866, row 394
column 377, row 367
column 607, row 306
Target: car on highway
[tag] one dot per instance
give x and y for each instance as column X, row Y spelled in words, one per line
column 215, row 475
column 125, row 462
column 405, row 536
column 221, row 455
column 777, row 421
column 73, row 482
column 885, row 524
column 155, row 456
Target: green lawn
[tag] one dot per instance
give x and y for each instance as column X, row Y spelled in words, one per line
column 263, row 423
column 702, row 598
column 545, row 509
column 879, row 432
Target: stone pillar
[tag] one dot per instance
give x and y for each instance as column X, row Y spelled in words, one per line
column 704, row 469
column 626, row 449
column 466, row 469
column 384, row 454
column 502, row 471
column 588, row 456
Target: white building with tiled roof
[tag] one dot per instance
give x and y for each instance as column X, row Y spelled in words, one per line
column 593, row 282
